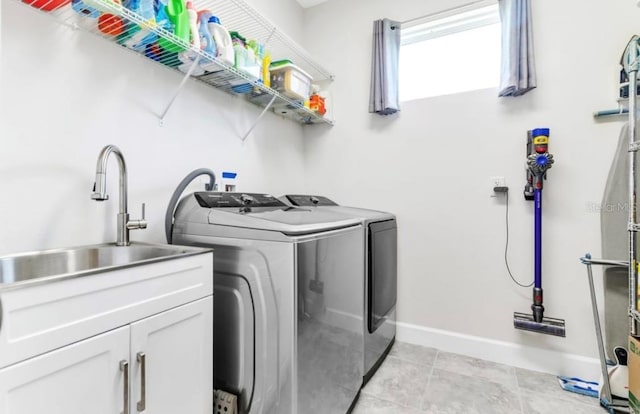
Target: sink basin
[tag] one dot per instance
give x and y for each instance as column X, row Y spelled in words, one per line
column 40, row 266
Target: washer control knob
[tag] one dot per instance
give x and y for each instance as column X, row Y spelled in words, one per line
column 247, row 199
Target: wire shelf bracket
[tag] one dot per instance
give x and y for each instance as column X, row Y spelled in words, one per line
column 186, row 76
column 259, row 118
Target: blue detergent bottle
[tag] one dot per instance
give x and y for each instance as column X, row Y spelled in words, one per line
column 206, row 38
column 136, row 37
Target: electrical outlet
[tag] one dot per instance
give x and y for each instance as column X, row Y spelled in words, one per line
column 495, row 182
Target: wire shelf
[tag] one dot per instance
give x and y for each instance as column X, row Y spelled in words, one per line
column 129, row 29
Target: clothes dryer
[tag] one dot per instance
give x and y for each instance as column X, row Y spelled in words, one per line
column 380, row 274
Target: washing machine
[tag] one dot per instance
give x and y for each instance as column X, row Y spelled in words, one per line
column 288, row 304
column 380, row 274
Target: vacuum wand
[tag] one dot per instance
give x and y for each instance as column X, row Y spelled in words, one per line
column 538, row 162
column 536, row 307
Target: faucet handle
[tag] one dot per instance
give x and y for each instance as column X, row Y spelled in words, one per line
column 138, row 224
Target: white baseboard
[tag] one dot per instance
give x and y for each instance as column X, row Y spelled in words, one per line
column 517, row 355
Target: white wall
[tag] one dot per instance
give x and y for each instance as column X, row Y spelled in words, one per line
column 66, row 94
column 431, row 166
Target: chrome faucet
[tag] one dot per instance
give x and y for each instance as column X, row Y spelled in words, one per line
column 100, row 194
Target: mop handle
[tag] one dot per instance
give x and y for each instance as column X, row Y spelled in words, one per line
column 537, row 266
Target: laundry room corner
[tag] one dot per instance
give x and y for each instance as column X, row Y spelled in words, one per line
column 319, row 206
column 431, row 162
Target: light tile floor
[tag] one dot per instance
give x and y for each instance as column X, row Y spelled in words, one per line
column 419, row 380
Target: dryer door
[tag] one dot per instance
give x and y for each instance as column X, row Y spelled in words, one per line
column 233, row 341
column 383, row 272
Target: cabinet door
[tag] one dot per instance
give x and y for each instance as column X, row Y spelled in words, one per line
column 172, row 358
column 85, row 377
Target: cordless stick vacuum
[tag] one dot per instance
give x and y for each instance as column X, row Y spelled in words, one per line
column 538, row 162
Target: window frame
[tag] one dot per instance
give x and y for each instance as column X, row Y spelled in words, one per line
column 449, row 22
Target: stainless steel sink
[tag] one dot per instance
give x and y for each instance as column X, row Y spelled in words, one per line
column 29, row 268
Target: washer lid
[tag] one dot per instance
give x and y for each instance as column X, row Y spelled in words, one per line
column 289, row 220
column 324, row 203
column 265, row 212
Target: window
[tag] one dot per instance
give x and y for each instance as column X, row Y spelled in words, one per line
column 450, row 53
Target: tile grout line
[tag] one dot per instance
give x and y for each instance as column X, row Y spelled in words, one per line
column 419, row 408
column 433, row 367
column 518, row 393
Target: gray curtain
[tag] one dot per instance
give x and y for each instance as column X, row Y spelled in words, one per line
column 383, row 98
column 518, row 72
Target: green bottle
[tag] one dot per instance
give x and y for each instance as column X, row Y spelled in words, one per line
column 179, row 17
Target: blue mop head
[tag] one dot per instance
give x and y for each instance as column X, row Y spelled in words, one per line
column 579, row 386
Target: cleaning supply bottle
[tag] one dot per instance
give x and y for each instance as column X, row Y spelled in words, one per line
column 176, row 11
column 148, row 12
column 137, row 37
column 222, row 39
column 254, row 59
column 239, row 50
column 110, row 24
column 46, row 5
column 187, row 57
column 266, row 76
column 143, row 8
column 193, row 25
column 206, row 38
column 207, row 44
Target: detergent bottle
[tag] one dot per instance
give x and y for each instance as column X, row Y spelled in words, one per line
column 147, row 11
column 47, row 5
column 266, row 76
column 207, row 44
column 223, row 41
column 136, row 37
column 206, row 38
column 193, row 25
column 178, row 16
column 189, row 56
column 110, row 24
column 239, row 50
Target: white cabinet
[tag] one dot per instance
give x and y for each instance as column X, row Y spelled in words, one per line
column 172, row 359
column 82, row 378
column 41, row 318
column 140, row 338
column 162, row 365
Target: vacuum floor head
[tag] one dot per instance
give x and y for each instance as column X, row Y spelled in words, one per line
column 548, row 326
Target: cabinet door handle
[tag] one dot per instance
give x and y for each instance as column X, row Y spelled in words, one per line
column 124, row 367
column 141, row 357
